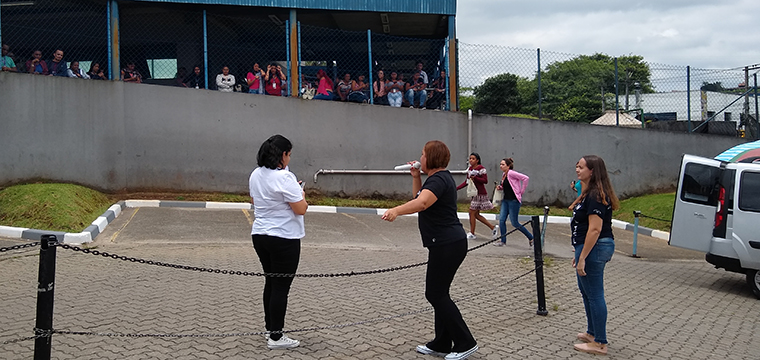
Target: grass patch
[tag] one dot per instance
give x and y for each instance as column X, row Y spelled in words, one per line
column 71, row 208
column 56, row 207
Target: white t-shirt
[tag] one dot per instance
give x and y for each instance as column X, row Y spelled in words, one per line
column 272, row 192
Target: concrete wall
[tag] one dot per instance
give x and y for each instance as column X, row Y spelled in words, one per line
column 115, row 136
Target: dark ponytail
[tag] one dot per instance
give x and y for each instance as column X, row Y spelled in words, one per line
column 270, row 152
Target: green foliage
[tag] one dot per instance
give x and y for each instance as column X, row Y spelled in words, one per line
column 498, row 95
column 658, row 206
column 57, row 207
column 466, row 99
column 716, row 86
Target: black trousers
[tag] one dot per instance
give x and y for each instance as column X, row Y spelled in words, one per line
column 277, row 255
column 443, row 262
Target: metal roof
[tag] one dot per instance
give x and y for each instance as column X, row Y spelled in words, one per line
column 441, row 7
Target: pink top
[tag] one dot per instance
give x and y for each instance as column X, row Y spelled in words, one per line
column 518, row 182
column 255, row 79
column 323, row 87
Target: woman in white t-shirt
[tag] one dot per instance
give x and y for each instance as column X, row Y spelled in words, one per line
column 279, row 204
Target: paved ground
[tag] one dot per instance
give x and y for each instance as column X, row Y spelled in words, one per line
column 669, row 304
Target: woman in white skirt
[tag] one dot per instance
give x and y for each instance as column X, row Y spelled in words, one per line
column 479, row 202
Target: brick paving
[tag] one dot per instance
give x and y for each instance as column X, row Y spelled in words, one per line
column 669, row 304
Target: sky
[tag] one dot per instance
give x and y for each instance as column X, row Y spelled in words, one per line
column 707, row 34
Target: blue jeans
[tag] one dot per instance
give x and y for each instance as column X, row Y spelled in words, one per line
column 511, row 208
column 420, row 96
column 254, row 91
column 323, row 97
column 592, row 287
column 394, row 98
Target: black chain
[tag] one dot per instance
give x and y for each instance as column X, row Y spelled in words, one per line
column 654, row 218
column 16, row 247
column 247, row 273
column 39, row 333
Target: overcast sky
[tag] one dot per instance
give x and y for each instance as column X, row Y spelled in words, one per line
column 702, row 33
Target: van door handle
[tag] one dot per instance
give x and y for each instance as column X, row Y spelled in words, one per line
column 700, row 215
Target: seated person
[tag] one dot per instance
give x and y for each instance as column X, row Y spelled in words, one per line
column 379, row 89
column 358, row 90
column 253, row 79
column 195, row 79
column 56, row 65
column 395, row 88
column 129, row 74
column 418, row 68
column 273, row 79
column 96, row 73
column 415, row 91
column 180, row 77
column 325, row 86
column 6, row 62
column 344, row 87
column 225, row 81
column 76, row 72
column 36, row 65
column 439, row 91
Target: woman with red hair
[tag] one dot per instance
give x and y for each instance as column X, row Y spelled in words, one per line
column 324, row 89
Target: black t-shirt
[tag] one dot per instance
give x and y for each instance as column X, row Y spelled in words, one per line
column 590, row 205
column 439, row 223
column 509, row 194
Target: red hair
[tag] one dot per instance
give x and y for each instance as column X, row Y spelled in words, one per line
column 323, row 74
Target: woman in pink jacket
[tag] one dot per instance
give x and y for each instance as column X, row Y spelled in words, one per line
column 479, row 202
column 513, row 184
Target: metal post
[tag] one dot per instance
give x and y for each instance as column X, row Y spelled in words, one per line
column 205, row 50
column 636, row 215
column 114, row 58
column 538, row 56
column 108, row 31
column 45, row 290
column 287, row 54
column 446, row 67
column 469, row 131
column 294, row 82
column 757, row 119
column 688, row 95
column 617, row 96
column 538, row 257
column 298, row 39
column 369, row 56
column 543, row 228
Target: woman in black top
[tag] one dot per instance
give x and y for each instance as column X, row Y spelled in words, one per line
column 594, row 245
column 442, row 233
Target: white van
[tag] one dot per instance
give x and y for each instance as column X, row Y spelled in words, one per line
column 717, row 211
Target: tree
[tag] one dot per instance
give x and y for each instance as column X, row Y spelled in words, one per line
column 497, row 95
column 716, row 86
column 573, row 89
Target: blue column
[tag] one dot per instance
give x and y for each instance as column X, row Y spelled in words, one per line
column 446, row 55
column 369, row 57
column 205, row 50
column 114, row 59
column 453, row 101
column 294, row 80
column 298, row 23
column 287, row 46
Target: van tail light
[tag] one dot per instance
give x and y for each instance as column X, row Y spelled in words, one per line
column 720, row 212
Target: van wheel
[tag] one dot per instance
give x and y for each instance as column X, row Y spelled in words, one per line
column 753, row 279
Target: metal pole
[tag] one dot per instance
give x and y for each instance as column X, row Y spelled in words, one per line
column 446, row 66
column 543, row 228
column 469, row 132
column 114, row 56
column 636, row 215
column 538, row 257
column 45, row 290
column 205, row 50
column 688, row 95
column 298, row 39
column 757, row 119
column 108, row 31
column 369, row 56
column 617, row 96
column 287, row 54
column 538, row 56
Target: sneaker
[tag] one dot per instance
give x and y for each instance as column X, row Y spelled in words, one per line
column 423, row 349
column 499, row 243
column 283, row 343
column 495, row 232
column 461, row 355
column 471, row 236
column 411, row 107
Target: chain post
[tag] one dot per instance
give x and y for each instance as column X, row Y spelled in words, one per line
column 543, row 227
column 636, row 215
column 538, row 257
column 45, row 291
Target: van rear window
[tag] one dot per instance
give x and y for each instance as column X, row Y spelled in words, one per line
column 749, row 192
column 699, row 184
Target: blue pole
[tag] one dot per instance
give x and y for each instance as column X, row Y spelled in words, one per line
column 108, row 30
column 287, row 46
column 617, row 96
column 447, row 50
column 636, row 215
column 114, row 57
column 538, row 56
column 688, row 96
column 369, row 56
column 205, row 50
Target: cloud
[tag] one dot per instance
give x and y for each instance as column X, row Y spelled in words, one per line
column 700, row 33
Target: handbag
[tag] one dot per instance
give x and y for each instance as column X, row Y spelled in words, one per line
column 498, row 195
column 471, row 189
